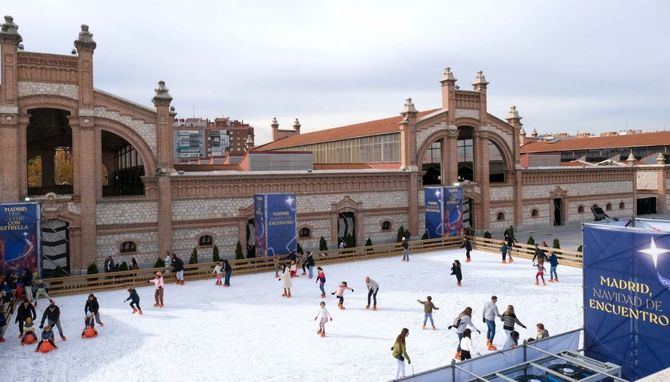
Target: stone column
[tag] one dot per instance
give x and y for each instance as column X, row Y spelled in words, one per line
column 85, row 47
column 481, row 158
column 9, row 112
column 514, row 119
column 450, row 156
column 409, row 162
column 165, row 118
column 448, row 83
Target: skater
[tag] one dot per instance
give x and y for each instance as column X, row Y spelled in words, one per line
column 293, row 269
column 325, row 317
column 159, row 283
column 133, row 264
column 321, row 279
column 89, row 327
column 339, row 293
column 227, row 272
column 503, row 253
column 168, row 262
column 286, row 283
column 134, row 300
column 217, row 272
column 25, row 310
column 509, row 319
column 399, row 352
column 93, row 307
column 540, row 273
column 512, row 340
column 47, row 343
column 373, row 288
column 41, row 289
column 302, row 262
column 52, row 313
column 3, row 324
column 27, row 281
column 456, row 271
column 460, row 324
column 428, row 307
column 309, row 261
column 109, row 265
column 28, row 337
column 466, row 345
column 405, row 249
column 178, row 268
column 553, row 264
column 540, row 254
column 489, row 314
column 467, row 244
column 541, row 332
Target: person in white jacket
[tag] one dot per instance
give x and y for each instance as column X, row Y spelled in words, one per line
column 217, row 272
column 325, row 317
column 285, row 279
column 489, row 315
column 466, row 345
column 461, row 323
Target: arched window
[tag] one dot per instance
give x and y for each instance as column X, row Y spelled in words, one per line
column 386, row 225
column 128, row 247
column 305, row 232
column 496, row 164
column 622, row 205
column 580, row 209
column 500, row 217
column 205, row 241
column 534, row 213
column 608, row 206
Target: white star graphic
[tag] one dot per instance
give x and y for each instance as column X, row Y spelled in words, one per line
column 437, row 193
column 654, row 252
column 289, row 200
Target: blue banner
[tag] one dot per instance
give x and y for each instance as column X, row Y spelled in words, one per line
column 275, row 223
column 453, row 211
column 434, row 211
column 627, row 298
column 19, row 237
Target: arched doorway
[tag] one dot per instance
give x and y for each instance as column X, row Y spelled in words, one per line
column 432, row 163
column 124, row 166
column 49, row 152
column 251, row 238
column 346, row 229
column 55, row 246
column 466, row 154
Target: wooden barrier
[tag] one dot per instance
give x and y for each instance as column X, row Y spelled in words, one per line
column 135, row 278
column 526, row 251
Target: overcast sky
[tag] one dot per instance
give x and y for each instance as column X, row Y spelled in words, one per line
column 567, row 65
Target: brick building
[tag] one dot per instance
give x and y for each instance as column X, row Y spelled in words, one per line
column 103, row 168
column 198, row 138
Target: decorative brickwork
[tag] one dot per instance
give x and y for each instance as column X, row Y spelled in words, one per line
column 27, row 89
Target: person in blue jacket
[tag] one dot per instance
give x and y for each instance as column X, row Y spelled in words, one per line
column 553, row 262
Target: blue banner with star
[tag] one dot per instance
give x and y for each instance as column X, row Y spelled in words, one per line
column 627, row 297
column 275, row 223
column 434, row 211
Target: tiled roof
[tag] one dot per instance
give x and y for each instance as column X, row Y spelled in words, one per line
column 660, row 138
column 357, row 166
column 364, row 129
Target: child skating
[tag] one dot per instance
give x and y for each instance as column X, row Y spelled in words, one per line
column 134, row 300
column 373, row 288
column 503, row 253
column 428, row 308
column 339, row 293
column 294, row 269
column 553, row 264
column 321, row 280
column 467, row 244
column 159, row 283
column 456, row 271
column 218, row 272
column 286, row 283
column 324, row 318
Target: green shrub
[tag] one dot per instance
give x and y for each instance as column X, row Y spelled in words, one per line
column 323, row 245
column 401, row 234
column 194, row 256
column 368, row 243
column 215, row 254
column 59, row 272
column 160, row 263
column 349, row 241
column 510, row 231
column 238, row 251
column 123, row 266
column 556, row 244
column 424, row 236
column 531, row 240
column 92, row 269
column 487, row 235
column 579, row 249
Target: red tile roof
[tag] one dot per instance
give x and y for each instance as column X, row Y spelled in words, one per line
column 660, row 138
column 364, row 129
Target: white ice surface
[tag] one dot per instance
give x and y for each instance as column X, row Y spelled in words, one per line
column 248, row 332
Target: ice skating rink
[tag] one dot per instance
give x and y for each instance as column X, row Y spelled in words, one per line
column 248, row 332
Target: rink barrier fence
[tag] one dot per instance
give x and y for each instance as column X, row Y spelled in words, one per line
column 526, row 251
column 136, row 278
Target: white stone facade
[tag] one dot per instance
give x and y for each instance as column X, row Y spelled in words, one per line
column 27, row 89
column 501, row 193
column 373, row 224
column 647, row 180
column 110, row 245
column 506, row 222
column 319, row 227
column 224, row 237
column 108, row 213
column 146, row 130
column 577, row 189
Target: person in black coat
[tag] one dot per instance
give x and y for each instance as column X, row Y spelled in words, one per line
column 467, row 244
column 93, row 307
column 25, row 310
column 310, row 264
column 134, row 300
column 456, row 271
column 27, row 281
column 227, row 271
column 109, row 264
column 52, row 313
column 178, row 268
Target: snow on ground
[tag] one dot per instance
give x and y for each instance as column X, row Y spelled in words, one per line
column 249, row 332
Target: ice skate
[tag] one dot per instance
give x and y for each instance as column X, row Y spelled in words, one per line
column 510, row 260
column 458, row 284
column 434, row 328
column 134, row 310
column 374, row 307
column 457, row 356
column 323, row 295
column 2, row 340
column 423, row 327
column 537, row 283
column 157, row 305
column 323, row 334
column 544, row 283
column 283, row 294
column 490, row 346
column 63, row 338
column 367, row 307
column 319, row 331
column 140, row 312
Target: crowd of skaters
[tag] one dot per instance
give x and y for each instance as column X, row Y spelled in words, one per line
column 286, row 269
